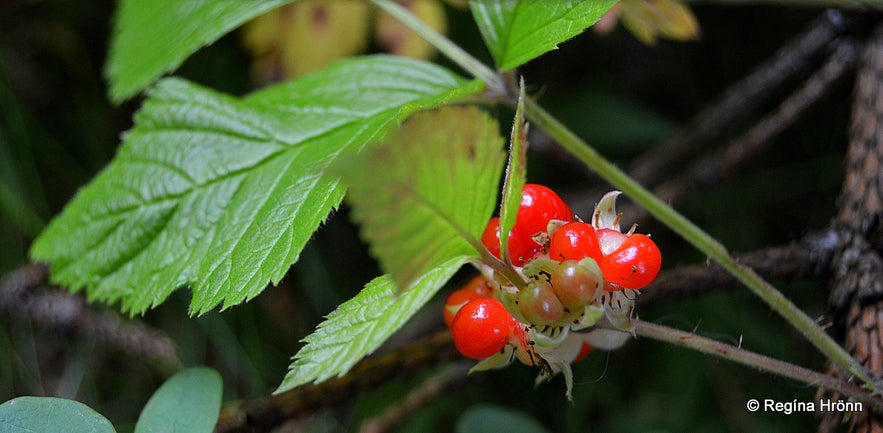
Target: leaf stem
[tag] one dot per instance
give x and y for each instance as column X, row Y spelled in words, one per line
column 695, row 236
column 445, row 46
column 756, row 360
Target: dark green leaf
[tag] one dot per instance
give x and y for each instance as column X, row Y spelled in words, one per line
column 434, row 194
column 493, row 419
column 517, row 31
column 359, row 326
column 151, row 37
column 221, row 193
column 189, row 402
column 50, row 415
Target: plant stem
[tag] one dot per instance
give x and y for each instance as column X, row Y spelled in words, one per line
column 756, row 360
column 443, row 44
column 696, row 236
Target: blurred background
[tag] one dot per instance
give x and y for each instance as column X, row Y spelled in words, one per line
column 625, row 94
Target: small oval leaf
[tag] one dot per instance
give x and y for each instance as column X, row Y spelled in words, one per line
column 189, row 402
column 51, row 415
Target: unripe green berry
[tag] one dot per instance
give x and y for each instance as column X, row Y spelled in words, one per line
column 539, row 305
column 576, row 283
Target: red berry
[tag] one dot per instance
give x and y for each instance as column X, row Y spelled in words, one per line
column 521, row 248
column 575, row 284
column 482, row 328
column 539, row 205
column 475, row 288
column 634, row 264
column 539, row 305
column 574, row 241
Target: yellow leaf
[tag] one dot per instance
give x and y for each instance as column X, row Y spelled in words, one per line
column 306, row 36
column 396, row 38
column 648, row 20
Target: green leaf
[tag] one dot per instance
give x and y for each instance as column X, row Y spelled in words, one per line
column 221, row 193
column 152, row 37
column 50, row 415
column 434, row 194
column 359, row 326
column 516, row 172
column 189, row 402
column 491, row 419
column 517, row 31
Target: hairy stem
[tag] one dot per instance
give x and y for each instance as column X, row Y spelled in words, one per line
column 756, row 360
column 443, row 44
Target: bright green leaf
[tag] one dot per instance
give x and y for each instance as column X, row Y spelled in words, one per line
column 221, row 193
column 426, row 194
column 359, row 326
column 189, row 402
column 516, row 172
column 50, row 415
column 151, row 37
column 517, row 31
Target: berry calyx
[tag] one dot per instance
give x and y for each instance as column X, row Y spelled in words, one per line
column 476, row 288
column 539, row 205
column 574, row 241
column 521, row 248
column 575, row 284
column 609, row 240
column 539, row 305
column 634, row 264
column 482, row 328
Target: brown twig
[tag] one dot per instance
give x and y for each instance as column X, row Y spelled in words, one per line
column 24, row 295
column 857, row 283
column 417, row 398
column 809, row 257
column 797, row 56
column 725, row 162
column 262, row 415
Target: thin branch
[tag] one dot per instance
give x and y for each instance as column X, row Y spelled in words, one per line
column 263, row 415
column 809, row 257
column 741, row 99
column 756, row 360
column 417, row 398
column 445, row 46
column 724, row 163
column 23, row 296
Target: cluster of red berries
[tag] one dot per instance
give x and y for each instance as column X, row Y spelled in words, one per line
column 569, row 265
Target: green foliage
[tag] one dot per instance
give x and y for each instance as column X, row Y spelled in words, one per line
column 189, row 402
column 221, row 193
column 516, row 172
column 435, row 191
column 50, row 415
column 151, row 37
column 490, row 419
column 362, row 324
column 518, row 31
